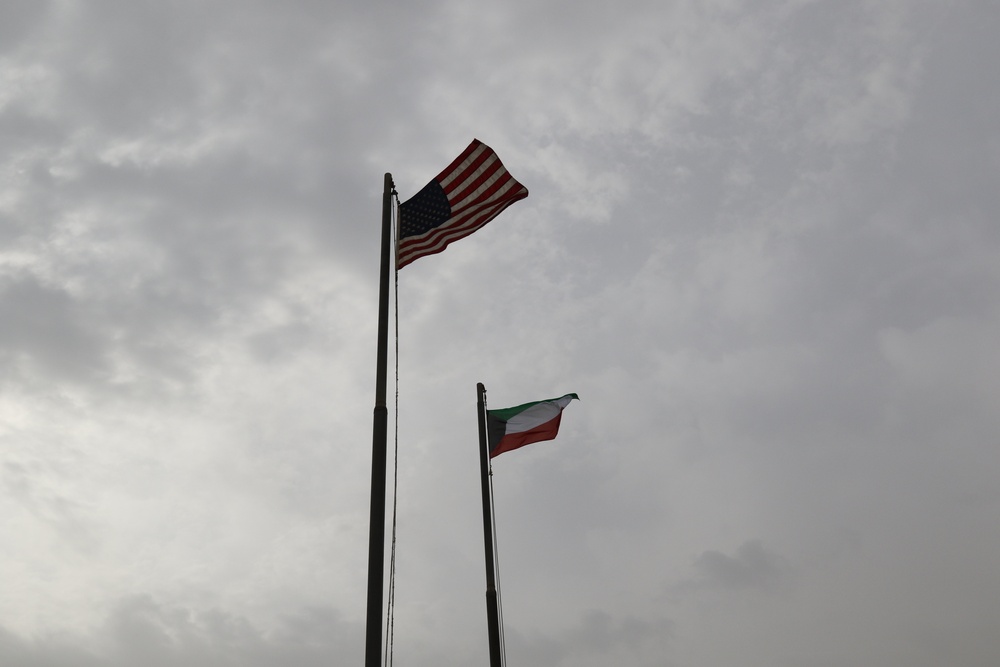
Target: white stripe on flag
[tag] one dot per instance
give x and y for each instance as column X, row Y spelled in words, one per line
column 465, row 222
column 464, row 165
column 536, row 415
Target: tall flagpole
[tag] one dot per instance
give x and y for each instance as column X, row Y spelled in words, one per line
column 376, row 528
column 492, row 603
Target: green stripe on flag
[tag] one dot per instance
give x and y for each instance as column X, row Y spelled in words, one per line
column 505, row 414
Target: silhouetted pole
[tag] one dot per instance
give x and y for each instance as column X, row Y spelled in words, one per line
column 376, row 528
column 492, row 604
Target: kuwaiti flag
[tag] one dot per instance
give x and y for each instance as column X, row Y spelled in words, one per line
column 510, row 428
column 473, row 190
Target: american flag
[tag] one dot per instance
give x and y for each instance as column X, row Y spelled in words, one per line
column 473, row 190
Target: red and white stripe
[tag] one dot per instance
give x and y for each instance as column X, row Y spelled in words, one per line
column 478, row 188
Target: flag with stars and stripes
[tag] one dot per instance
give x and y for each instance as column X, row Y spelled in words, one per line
column 473, row 190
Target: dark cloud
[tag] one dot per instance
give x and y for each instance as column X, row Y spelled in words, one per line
column 760, row 244
column 20, row 19
column 753, row 567
column 45, row 328
column 595, row 639
column 141, row 630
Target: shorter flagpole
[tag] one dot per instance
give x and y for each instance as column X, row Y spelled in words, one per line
column 492, row 602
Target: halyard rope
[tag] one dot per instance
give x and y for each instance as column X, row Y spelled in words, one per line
column 496, row 569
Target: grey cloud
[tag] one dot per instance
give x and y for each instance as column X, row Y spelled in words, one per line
column 597, row 638
column 753, row 567
column 45, row 326
column 761, row 243
column 142, row 631
column 19, row 19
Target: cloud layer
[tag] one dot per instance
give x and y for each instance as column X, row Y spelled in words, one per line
column 761, row 245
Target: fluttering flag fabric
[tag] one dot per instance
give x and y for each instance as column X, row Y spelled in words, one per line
column 511, row 428
column 473, row 190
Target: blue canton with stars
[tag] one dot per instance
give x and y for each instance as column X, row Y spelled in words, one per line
column 424, row 211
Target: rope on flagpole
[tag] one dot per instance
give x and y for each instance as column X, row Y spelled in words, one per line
column 496, row 566
column 391, row 606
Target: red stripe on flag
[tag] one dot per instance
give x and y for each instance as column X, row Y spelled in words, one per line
column 456, row 164
column 478, row 188
column 438, row 243
column 547, row 431
column 476, row 180
column 469, row 219
column 510, row 192
column 498, row 191
column 469, row 172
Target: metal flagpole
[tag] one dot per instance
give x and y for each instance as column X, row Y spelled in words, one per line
column 376, row 528
column 492, row 604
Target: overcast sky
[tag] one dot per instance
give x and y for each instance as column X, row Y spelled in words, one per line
column 761, row 243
